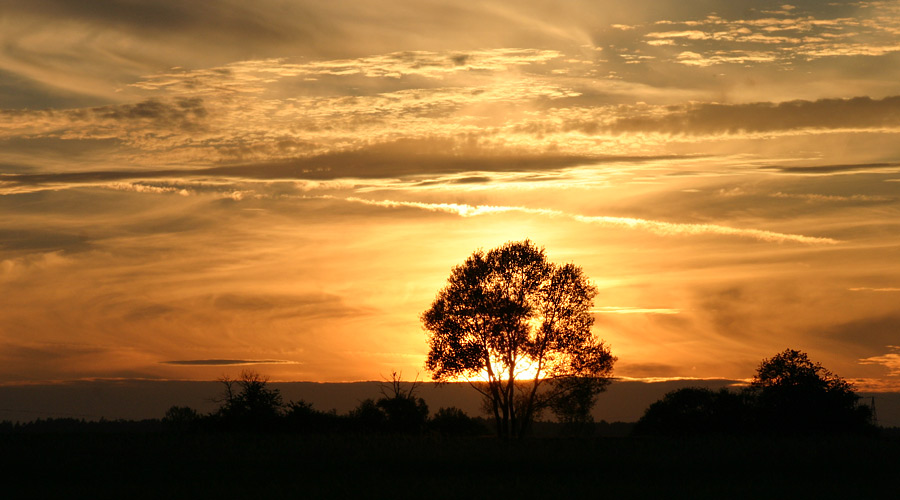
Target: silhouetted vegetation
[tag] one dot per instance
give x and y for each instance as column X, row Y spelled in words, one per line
column 454, row 422
column 514, row 322
column 181, row 419
column 789, row 395
column 697, row 410
column 301, row 417
column 248, row 403
column 571, row 399
column 389, row 448
column 403, row 411
column 792, row 394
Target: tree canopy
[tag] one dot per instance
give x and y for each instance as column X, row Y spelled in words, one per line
column 790, row 394
column 509, row 321
column 696, row 410
column 793, row 368
column 249, row 401
column 794, row 394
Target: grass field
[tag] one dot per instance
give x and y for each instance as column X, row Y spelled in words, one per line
column 164, row 465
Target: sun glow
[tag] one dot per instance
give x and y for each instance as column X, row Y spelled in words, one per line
column 525, row 370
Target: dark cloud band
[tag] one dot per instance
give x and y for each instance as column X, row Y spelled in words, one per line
column 379, row 162
column 711, row 118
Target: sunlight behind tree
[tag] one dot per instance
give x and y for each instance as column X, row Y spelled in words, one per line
column 510, row 321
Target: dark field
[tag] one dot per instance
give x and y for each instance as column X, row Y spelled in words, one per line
column 210, row 465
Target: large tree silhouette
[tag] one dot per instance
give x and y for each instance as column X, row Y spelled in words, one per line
column 509, row 321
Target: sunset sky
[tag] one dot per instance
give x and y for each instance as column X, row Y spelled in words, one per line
column 188, row 189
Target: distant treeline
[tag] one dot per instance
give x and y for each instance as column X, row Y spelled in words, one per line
column 249, row 404
column 790, row 395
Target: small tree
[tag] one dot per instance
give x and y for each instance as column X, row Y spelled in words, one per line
column 794, row 394
column 248, row 401
column 508, row 321
column 181, row 418
column 404, row 412
column 571, row 400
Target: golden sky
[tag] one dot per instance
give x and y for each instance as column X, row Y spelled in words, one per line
column 187, row 190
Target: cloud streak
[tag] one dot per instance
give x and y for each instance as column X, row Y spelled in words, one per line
column 836, row 169
column 656, row 227
column 707, row 118
column 429, row 157
column 228, row 362
column 891, row 361
column 634, row 310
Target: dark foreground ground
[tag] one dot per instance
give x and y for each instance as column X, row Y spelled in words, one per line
column 169, row 465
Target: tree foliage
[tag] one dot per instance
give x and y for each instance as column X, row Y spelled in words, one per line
column 696, row 410
column 793, row 370
column 794, row 394
column 571, row 400
column 248, row 401
column 790, row 394
column 510, row 321
column 181, row 418
column 404, row 411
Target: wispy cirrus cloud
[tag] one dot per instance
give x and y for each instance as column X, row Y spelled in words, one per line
column 653, row 226
column 815, row 197
column 257, row 75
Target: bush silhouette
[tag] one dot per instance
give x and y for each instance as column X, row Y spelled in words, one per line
column 696, row 410
column 367, row 417
column 454, row 422
column 300, row 416
column 181, row 419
